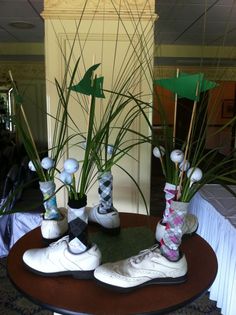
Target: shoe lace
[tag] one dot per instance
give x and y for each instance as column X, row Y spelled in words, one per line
column 146, row 253
column 58, row 242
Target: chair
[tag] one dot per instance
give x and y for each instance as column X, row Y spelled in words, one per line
column 28, row 207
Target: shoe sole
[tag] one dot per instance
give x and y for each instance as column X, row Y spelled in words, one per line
column 156, row 281
column 88, row 275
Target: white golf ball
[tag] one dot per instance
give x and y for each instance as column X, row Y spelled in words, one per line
column 31, row 166
column 47, row 163
column 194, row 174
column 177, row 156
column 65, row 177
column 71, row 166
column 110, row 149
column 184, row 166
column 158, row 151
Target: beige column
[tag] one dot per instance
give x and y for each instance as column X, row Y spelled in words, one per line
column 119, row 35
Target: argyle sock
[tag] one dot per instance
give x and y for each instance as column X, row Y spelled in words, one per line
column 105, row 192
column 173, row 232
column 50, row 202
column 170, row 193
column 78, row 222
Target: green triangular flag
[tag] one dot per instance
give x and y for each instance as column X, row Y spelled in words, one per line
column 186, row 84
column 85, row 86
column 204, row 85
column 99, row 87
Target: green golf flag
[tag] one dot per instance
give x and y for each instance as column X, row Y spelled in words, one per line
column 186, row 84
column 85, row 86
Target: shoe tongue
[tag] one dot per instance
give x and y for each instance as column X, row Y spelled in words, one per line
column 154, row 249
column 76, row 246
column 63, row 239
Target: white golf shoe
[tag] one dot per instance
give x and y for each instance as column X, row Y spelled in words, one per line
column 52, row 230
column 189, row 227
column 110, row 221
column 146, row 268
column 57, row 260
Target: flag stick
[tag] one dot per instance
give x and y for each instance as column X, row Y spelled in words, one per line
column 25, row 119
column 162, row 166
column 188, row 139
column 175, row 112
column 90, row 97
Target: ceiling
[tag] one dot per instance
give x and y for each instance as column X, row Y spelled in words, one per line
column 21, row 11
column 196, row 22
column 188, row 22
column 180, row 22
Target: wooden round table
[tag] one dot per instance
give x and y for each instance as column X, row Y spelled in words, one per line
column 67, row 295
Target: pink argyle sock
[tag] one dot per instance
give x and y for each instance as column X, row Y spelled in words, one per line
column 173, row 232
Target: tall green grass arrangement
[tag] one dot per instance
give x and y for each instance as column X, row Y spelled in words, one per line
column 212, row 169
column 111, row 130
column 105, row 140
column 99, row 154
column 108, row 140
column 186, row 163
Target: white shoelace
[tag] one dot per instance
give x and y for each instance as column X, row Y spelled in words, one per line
column 146, row 253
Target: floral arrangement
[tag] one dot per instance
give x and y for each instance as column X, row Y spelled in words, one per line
column 99, row 154
column 190, row 166
column 45, row 167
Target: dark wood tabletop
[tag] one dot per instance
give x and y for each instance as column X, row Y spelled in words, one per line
column 67, row 295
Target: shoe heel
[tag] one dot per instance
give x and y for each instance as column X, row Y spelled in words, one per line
column 187, row 236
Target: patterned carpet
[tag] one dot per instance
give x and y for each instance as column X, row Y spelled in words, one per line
column 13, row 303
